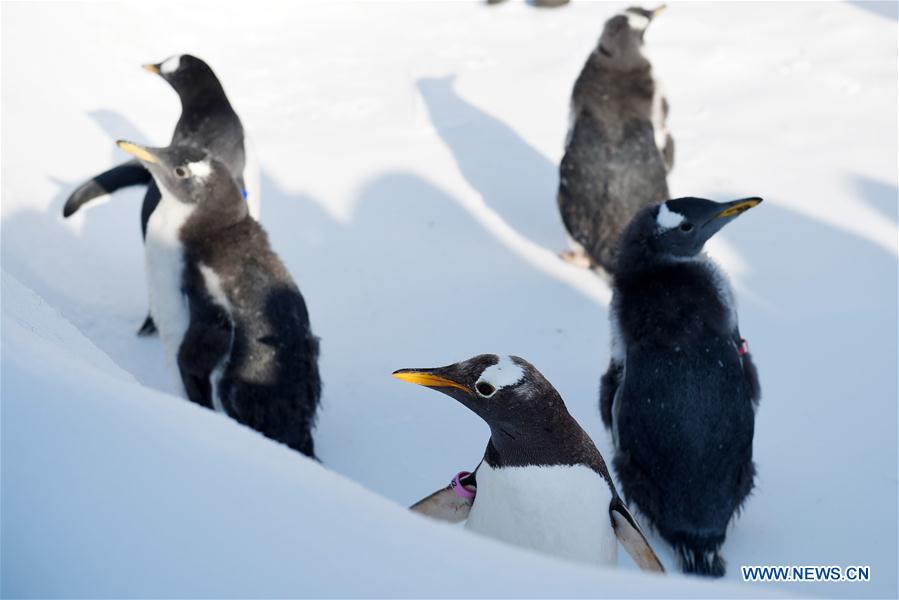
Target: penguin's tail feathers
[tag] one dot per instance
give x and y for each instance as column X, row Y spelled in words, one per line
column 701, row 559
column 124, row 175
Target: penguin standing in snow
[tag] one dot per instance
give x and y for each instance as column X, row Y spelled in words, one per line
column 229, row 314
column 207, row 121
column 681, row 390
column 542, row 484
column 618, row 150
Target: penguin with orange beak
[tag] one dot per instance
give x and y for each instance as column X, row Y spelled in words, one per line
column 681, row 390
column 207, row 122
column 542, row 483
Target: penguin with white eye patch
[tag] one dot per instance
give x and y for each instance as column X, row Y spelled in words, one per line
column 207, row 122
column 681, row 389
column 542, row 483
column 232, row 320
column 618, row 150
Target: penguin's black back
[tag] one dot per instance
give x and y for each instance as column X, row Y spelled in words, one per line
column 271, row 380
column 612, row 166
column 684, row 412
column 207, row 122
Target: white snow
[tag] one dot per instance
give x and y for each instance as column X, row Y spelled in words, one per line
column 408, row 157
column 503, row 374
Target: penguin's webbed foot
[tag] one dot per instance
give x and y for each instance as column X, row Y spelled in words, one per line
column 578, row 258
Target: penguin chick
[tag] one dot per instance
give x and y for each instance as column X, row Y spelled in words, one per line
column 618, row 149
column 229, row 314
column 207, row 121
column 542, row 484
column 681, row 389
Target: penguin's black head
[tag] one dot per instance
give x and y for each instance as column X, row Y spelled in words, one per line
column 190, row 176
column 190, row 76
column 506, row 391
column 679, row 228
column 621, row 42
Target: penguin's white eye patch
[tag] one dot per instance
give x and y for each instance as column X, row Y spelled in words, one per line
column 637, row 21
column 485, row 389
column 502, row 374
column 668, row 219
column 170, row 65
column 200, row 169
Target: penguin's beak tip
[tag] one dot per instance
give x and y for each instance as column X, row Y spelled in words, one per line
column 658, row 10
column 426, row 379
column 137, row 151
column 739, row 206
column 151, row 68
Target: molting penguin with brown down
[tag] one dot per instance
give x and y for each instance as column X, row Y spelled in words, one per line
column 618, row 150
column 681, row 389
column 207, row 122
column 232, row 320
column 542, row 483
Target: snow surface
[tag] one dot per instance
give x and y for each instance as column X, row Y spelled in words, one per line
column 409, row 159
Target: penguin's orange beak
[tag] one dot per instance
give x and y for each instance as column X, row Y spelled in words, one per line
column 658, row 10
column 151, row 68
column 427, row 379
column 739, row 206
column 137, row 151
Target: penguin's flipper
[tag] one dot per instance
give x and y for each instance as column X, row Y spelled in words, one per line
column 123, row 175
column 204, row 345
column 608, row 387
column 631, row 537
column 750, row 372
column 447, row 504
column 752, row 378
column 444, row 505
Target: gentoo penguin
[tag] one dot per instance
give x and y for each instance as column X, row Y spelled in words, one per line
column 681, row 390
column 207, row 121
column 542, row 484
column 230, row 317
column 618, row 149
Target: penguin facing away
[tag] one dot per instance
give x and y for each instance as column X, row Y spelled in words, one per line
column 542, row 483
column 681, row 390
column 207, row 121
column 230, row 316
column 618, row 149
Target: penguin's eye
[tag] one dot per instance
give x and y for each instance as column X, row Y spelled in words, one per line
column 686, row 227
column 180, row 172
column 485, row 389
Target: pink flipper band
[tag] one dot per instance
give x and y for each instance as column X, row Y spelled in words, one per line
column 744, row 347
column 460, row 489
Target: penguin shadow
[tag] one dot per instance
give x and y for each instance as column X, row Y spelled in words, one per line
column 512, row 177
column 117, row 127
column 819, row 313
column 89, row 271
column 886, row 9
column 411, row 279
column 881, row 196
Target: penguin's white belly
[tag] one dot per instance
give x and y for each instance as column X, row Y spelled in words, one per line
column 557, row 510
column 164, row 258
column 658, row 119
